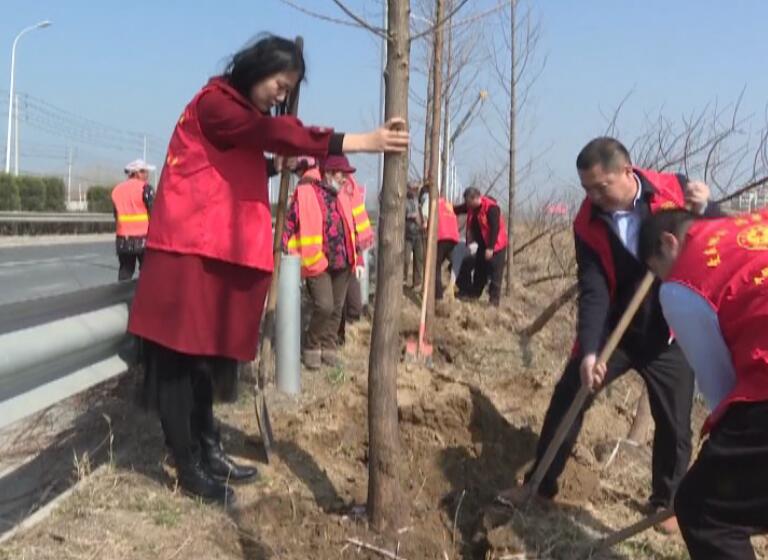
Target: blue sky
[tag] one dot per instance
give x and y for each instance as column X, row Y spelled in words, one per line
column 135, row 65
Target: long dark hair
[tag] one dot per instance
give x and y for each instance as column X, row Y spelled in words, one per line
column 266, row 56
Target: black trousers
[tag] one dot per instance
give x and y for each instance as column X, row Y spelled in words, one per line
column 670, row 390
column 128, row 265
column 444, row 249
column 723, row 499
column 185, row 397
column 489, row 271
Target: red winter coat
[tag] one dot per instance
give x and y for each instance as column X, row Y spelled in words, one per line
column 212, row 196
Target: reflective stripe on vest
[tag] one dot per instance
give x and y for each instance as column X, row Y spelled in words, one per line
column 308, row 242
column 133, row 218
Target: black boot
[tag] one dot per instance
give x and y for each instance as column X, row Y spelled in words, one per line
column 218, row 464
column 194, row 480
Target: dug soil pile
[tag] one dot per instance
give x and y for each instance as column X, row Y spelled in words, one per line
column 468, row 430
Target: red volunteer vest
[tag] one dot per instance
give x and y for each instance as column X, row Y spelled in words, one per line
column 213, row 202
column 447, row 222
column 481, row 215
column 595, row 232
column 726, row 262
column 132, row 214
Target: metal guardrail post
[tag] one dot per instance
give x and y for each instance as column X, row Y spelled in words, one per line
column 365, row 281
column 288, row 326
column 53, row 348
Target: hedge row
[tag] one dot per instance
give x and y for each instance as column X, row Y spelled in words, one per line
column 31, row 194
column 99, row 199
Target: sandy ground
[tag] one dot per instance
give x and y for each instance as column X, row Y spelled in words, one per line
column 468, row 429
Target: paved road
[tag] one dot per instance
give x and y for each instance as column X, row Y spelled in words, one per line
column 36, row 271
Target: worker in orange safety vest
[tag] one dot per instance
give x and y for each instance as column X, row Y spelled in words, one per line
column 321, row 228
column 132, row 202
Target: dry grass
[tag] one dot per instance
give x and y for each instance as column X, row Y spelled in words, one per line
column 468, row 429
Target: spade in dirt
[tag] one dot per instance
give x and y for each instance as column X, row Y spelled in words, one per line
column 291, row 107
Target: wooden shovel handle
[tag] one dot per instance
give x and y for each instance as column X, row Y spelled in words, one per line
column 584, row 392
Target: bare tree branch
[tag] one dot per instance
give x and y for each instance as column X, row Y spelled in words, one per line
column 323, row 17
column 360, row 21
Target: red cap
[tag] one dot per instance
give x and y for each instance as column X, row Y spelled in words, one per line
column 336, row 163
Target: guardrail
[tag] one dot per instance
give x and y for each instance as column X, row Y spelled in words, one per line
column 55, row 347
column 56, row 217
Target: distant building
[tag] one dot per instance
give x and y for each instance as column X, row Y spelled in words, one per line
column 750, row 201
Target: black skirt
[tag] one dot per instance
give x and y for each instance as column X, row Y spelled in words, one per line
column 156, row 361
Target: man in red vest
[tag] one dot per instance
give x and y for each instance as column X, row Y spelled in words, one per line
column 132, row 201
column 618, row 197
column 320, row 227
column 715, row 298
column 486, row 227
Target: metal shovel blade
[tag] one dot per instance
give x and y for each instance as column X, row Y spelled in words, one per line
column 265, row 425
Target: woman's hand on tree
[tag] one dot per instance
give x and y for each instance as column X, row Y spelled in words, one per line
column 392, row 137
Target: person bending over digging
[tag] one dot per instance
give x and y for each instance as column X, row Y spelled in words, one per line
column 715, row 297
column 618, row 197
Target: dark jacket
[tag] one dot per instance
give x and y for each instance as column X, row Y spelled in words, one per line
column 597, row 316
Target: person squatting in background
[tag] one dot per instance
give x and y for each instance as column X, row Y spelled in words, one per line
column 132, row 202
column 321, row 228
column 488, row 229
column 208, row 262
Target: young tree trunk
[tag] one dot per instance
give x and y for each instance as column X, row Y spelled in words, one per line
column 638, row 433
column 385, row 503
column 512, row 153
column 444, row 168
column 428, row 295
column 428, row 124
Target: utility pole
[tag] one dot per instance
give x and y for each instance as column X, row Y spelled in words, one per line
column 512, row 150
column 11, row 92
column 16, row 136
column 69, row 175
column 428, row 295
column 144, row 156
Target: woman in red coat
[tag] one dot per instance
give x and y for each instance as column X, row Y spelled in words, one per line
column 208, row 261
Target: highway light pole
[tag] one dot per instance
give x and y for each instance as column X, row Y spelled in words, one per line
column 39, row 25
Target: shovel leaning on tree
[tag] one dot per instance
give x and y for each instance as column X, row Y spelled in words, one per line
column 291, row 107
